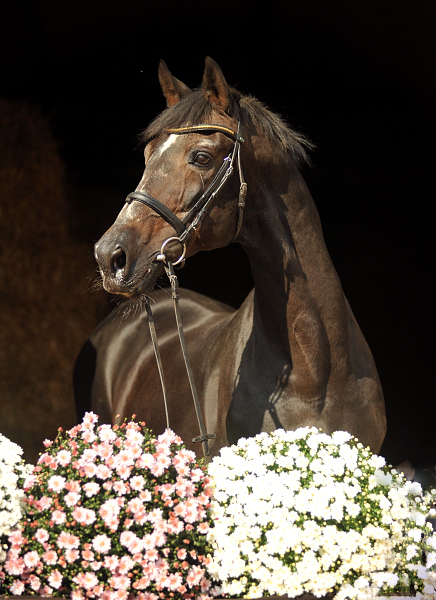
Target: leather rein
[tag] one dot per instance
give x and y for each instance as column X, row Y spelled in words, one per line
column 184, row 227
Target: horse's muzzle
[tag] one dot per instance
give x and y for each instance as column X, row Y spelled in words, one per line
column 124, row 272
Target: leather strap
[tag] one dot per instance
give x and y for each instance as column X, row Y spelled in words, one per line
column 204, row 437
column 159, row 208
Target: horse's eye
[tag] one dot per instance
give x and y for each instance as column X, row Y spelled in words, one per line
column 202, row 159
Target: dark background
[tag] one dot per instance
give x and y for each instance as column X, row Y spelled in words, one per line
column 357, row 77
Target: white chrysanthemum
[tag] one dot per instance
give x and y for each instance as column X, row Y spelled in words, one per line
column 304, row 511
column 12, row 472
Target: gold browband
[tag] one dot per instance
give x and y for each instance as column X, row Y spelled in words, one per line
column 206, row 127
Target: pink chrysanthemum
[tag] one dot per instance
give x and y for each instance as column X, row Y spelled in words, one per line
column 113, row 512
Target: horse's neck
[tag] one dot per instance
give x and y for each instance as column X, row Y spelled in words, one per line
column 299, row 306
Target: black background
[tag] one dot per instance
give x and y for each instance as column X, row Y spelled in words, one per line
column 357, row 77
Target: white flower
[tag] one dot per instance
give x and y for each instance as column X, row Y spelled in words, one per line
column 13, row 476
column 337, row 514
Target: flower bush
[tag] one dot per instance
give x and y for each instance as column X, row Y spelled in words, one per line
column 305, row 512
column 13, row 472
column 113, row 511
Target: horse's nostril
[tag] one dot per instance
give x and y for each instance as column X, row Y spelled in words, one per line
column 119, row 260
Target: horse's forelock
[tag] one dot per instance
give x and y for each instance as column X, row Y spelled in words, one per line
column 195, row 109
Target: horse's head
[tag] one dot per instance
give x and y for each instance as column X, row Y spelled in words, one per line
column 189, row 149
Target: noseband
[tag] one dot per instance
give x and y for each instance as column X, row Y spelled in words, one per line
column 191, row 221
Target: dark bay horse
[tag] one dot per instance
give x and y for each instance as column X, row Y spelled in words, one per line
column 292, row 355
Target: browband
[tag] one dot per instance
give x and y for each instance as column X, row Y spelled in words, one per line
column 208, row 128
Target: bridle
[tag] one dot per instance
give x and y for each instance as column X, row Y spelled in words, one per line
column 191, row 221
column 184, row 227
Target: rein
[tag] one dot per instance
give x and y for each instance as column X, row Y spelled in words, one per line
column 184, row 227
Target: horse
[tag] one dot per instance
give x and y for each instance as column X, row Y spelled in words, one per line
column 221, row 168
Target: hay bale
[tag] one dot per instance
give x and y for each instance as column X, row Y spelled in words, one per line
column 46, row 308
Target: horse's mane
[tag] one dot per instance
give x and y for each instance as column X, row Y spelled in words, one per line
column 195, row 109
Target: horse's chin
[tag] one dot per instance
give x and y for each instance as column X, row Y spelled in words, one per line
column 137, row 287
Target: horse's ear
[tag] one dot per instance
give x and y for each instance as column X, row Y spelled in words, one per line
column 215, row 86
column 173, row 89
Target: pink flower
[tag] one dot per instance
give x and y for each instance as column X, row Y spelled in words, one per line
column 160, row 539
column 120, row 487
column 29, row 482
column 105, row 450
column 147, row 596
column 47, row 443
column 101, row 543
column 145, row 496
column 91, row 488
column 205, row 584
column 85, row 516
column 67, row 540
column 71, row 555
column 15, row 566
column 17, row 588
column 58, row 517
column 120, row 582
column 174, row 581
column 55, row 579
column 126, row 538
column 124, row 471
column 89, row 420
column 124, row 457
column 111, row 562
column 31, row 559
column 175, row 525
column 135, row 505
column 87, row 555
column 195, row 575
column 16, row 537
column 135, row 546
column 50, row 557
column 145, row 461
column 112, row 522
column 169, row 437
column 106, row 433
column 44, row 503
column 134, row 436
column 109, row 508
column 125, row 564
column 90, row 469
column 167, row 489
column 41, row 535
column 63, row 458
column 56, row 483
column 181, row 554
column 152, row 555
column 155, row 515
column 71, row 499
column 89, row 436
column 103, row 472
column 137, row 482
column 203, row 527
column 89, row 455
column 87, row 580
column 73, row 486
column 140, row 517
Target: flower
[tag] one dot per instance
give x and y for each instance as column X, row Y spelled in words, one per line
column 13, row 474
column 103, row 519
column 305, row 512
